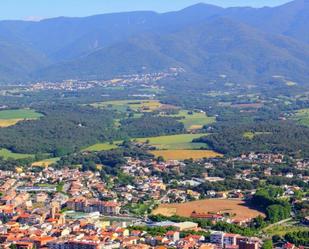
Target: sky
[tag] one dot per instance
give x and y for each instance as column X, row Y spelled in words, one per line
column 41, row 9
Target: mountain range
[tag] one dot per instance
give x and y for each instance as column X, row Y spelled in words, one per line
column 247, row 44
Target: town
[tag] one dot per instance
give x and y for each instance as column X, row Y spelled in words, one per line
column 147, row 79
column 71, row 208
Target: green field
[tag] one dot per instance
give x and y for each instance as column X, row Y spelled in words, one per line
column 19, row 114
column 194, row 121
column 302, row 116
column 6, row 154
column 102, row 147
column 175, row 142
column 191, row 121
column 283, row 229
column 12, row 117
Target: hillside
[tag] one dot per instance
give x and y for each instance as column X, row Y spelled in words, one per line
column 17, row 59
column 291, row 19
column 247, row 44
column 220, row 46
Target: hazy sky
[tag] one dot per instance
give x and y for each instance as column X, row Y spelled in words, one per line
column 36, row 9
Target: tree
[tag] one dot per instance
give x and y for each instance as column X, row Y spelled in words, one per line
column 13, row 246
column 277, row 212
column 268, row 244
column 89, row 166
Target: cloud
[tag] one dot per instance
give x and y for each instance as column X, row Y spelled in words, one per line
column 34, row 18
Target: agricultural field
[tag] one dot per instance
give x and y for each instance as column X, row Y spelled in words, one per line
column 191, row 120
column 45, row 163
column 302, row 116
column 172, row 142
column 134, row 105
column 194, row 120
column 12, row 117
column 102, row 146
column 185, row 154
column 235, row 208
column 175, row 142
column 6, row 154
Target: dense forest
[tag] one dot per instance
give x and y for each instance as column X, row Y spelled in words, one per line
column 148, row 126
column 68, row 128
column 272, row 136
column 61, row 130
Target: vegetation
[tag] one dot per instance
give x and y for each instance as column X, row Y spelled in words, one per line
column 7, row 154
column 268, row 200
column 283, row 229
column 12, row 117
column 302, row 116
column 102, row 146
column 63, row 129
column 134, row 105
column 174, row 142
column 300, row 238
column 148, row 126
column 19, row 114
column 206, row 224
column 111, row 159
column 170, row 142
column 193, row 120
column 268, row 244
column 271, row 137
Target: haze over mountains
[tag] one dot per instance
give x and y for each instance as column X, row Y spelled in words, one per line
column 247, row 44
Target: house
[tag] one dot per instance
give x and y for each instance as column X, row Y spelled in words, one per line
column 172, row 235
column 230, row 239
column 89, row 206
column 248, row 243
column 211, row 217
column 217, row 238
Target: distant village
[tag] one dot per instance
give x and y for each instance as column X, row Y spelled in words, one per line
column 120, row 81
